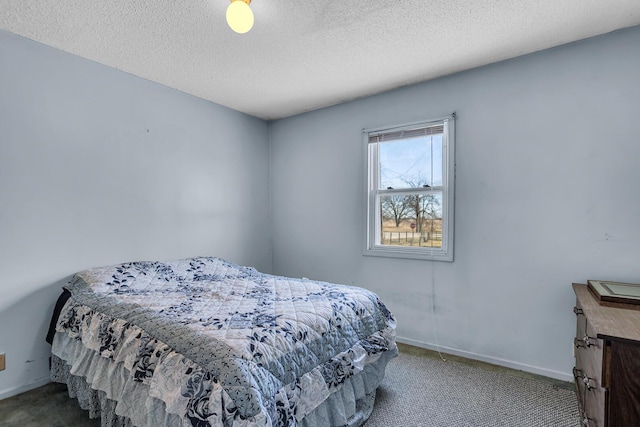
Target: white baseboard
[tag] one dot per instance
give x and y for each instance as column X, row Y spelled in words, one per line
column 563, row 376
column 5, row 394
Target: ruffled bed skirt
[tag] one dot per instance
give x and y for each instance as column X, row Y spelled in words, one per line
column 106, row 390
column 94, row 401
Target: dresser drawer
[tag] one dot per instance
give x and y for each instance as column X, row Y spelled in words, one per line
column 588, row 350
column 589, row 362
column 592, row 401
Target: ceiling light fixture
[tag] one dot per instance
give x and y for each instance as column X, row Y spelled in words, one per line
column 240, row 16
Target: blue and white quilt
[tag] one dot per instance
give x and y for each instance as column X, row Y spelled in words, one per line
column 218, row 343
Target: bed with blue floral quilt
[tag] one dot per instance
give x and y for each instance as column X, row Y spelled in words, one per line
column 205, row 342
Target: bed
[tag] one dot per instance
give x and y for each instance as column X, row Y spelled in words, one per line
column 205, row 342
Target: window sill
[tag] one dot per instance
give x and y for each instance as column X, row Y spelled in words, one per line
column 409, row 253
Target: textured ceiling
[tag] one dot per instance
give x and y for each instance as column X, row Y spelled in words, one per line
column 302, row 55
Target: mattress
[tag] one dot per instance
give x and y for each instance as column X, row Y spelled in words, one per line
column 205, row 342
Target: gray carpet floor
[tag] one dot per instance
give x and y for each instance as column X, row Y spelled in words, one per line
column 428, row 392
column 418, row 390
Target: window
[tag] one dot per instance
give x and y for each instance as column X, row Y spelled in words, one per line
column 410, row 183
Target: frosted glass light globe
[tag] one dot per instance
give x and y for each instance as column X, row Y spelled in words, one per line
column 239, row 16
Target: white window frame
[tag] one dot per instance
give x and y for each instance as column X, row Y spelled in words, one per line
column 373, row 233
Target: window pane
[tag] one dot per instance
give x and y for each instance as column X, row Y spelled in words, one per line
column 411, row 162
column 412, row 220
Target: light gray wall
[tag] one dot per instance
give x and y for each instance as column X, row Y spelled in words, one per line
column 99, row 167
column 547, row 193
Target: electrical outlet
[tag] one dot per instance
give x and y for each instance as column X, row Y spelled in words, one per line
column 2, row 362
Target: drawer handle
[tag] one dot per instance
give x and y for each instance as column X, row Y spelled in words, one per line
column 582, row 376
column 587, row 381
column 577, row 373
column 578, row 311
column 588, row 341
column 585, row 342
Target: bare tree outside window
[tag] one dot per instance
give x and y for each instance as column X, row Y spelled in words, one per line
column 413, row 220
column 395, row 207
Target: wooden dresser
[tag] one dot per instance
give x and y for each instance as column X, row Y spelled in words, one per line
column 607, row 369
